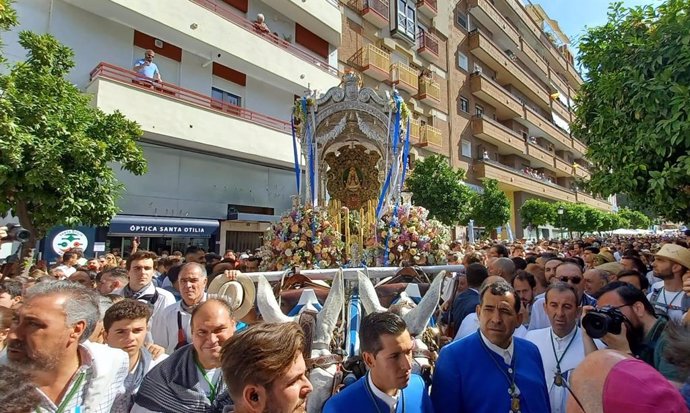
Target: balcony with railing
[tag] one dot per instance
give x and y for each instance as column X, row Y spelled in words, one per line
column 560, row 85
column 427, row 45
column 265, row 55
column 507, row 70
column 579, row 147
column 373, row 62
column 507, row 140
column 540, row 156
column 428, row 8
column 374, row 11
column 415, row 132
column 487, row 14
column 187, row 118
column 581, row 172
column 553, row 132
column 593, row 202
column 429, row 91
column 513, row 180
column 404, row 77
column 559, row 108
column 507, row 106
column 534, row 59
column 430, row 137
column 563, row 168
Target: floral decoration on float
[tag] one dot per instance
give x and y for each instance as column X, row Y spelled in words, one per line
column 303, row 237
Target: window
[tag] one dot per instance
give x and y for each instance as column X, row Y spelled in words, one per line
column 478, row 110
column 463, row 21
column 406, row 18
column 463, row 63
column 226, row 97
column 464, row 105
column 466, row 148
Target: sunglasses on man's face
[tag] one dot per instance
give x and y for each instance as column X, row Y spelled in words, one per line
column 574, row 280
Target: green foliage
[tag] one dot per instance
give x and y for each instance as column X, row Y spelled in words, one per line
column 635, row 219
column 491, row 208
column 537, row 212
column 56, row 150
column 437, row 187
column 8, row 19
column 633, row 111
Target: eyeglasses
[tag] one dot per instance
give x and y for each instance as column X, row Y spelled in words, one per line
column 574, row 280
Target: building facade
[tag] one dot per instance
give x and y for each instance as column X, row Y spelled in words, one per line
column 216, row 132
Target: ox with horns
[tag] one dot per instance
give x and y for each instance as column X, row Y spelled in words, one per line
column 321, row 363
column 416, row 316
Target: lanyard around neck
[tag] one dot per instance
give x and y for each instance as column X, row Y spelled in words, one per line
column 513, row 390
column 213, row 387
column 663, row 294
column 68, row 398
column 553, row 346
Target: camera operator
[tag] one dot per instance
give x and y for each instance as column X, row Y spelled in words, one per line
column 629, row 325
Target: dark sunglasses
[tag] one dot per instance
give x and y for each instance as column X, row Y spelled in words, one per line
column 574, row 280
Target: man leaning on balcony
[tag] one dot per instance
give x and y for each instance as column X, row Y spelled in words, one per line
column 147, row 69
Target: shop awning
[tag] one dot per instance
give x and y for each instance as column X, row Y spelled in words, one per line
column 162, row 226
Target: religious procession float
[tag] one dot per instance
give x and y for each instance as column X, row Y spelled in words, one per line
column 352, row 210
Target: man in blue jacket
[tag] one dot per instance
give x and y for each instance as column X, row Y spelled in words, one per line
column 389, row 386
column 491, row 371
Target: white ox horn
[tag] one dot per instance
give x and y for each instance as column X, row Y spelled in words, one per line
column 328, row 316
column 417, row 318
column 367, row 294
column 267, row 304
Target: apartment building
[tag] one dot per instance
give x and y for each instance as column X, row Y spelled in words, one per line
column 216, row 132
column 511, row 88
column 403, row 43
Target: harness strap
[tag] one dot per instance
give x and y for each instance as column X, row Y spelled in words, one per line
column 337, row 381
column 307, row 320
column 423, row 353
column 324, row 362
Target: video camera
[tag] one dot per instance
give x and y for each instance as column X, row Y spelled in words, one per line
column 600, row 321
column 16, row 232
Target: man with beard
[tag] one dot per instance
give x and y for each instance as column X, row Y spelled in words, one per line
column 264, row 369
column 670, row 263
column 389, row 385
column 48, row 340
column 190, row 380
column 642, row 332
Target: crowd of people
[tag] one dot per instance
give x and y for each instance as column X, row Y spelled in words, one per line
column 590, row 325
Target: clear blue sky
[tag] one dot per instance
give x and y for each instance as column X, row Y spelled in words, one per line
column 574, row 15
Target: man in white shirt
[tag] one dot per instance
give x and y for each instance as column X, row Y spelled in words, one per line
column 69, row 260
column 171, row 330
column 667, row 297
column 49, row 341
column 560, row 345
column 140, row 268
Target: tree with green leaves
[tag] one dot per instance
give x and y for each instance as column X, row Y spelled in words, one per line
column 436, row 186
column 635, row 219
column 57, row 150
column 535, row 213
column 491, row 208
column 8, row 19
column 633, row 111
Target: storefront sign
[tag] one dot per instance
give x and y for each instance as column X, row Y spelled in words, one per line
column 69, row 239
column 140, row 225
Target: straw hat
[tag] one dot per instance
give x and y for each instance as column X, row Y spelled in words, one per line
column 675, row 253
column 610, row 267
column 241, row 293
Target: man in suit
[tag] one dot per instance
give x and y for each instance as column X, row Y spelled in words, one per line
column 466, row 302
column 389, row 386
column 491, row 371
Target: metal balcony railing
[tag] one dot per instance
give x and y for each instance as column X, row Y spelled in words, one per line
column 431, row 136
column 248, row 25
column 429, row 88
column 427, row 41
column 171, row 91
